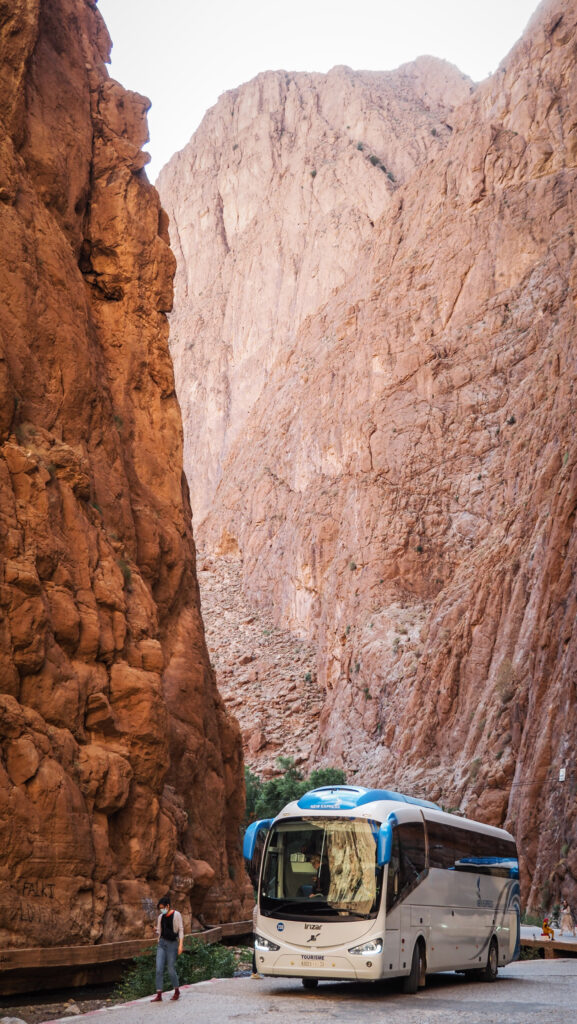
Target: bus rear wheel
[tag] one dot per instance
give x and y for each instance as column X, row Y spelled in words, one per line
column 310, row 982
column 490, row 971
column 416, row 979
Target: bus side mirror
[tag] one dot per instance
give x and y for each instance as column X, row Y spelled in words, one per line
column 251, row 836
column 384, row 843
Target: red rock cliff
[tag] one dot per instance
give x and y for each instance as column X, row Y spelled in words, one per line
column 120, row 772
column 405, row 488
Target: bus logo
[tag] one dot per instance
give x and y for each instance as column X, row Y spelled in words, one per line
column 280, row 927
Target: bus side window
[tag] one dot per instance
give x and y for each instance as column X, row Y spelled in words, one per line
column 393, row 876
column 407, row 862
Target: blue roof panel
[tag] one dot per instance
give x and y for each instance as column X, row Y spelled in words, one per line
column 346, row 798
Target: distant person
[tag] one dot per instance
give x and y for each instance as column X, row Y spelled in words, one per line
column 170, row 931
column 566, row 919
column 547, row 931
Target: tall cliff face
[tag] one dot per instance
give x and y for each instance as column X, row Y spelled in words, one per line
column 271, row 204
column 405, row 488
column 120, row 772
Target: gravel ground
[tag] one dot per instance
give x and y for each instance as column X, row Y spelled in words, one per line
column 524, row 993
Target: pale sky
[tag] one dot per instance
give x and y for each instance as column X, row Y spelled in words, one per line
column 183, row 54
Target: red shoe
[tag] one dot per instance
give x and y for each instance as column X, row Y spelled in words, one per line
column 176, row 995
column 157, row 998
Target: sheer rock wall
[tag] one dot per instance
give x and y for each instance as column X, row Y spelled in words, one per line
column 271, row 204
column 120, row 771
column 405, row 487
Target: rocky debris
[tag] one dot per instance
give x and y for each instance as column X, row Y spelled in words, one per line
column 50, row 1007
column 265, row 675
column 404, row 483
column 114, row 738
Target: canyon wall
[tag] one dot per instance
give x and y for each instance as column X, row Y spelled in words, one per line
column 404, row 487
column 120, row 770
column 270, row 206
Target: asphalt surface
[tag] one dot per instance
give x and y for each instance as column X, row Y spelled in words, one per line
column 524, row 992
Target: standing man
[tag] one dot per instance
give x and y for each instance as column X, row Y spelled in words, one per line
column 170, row 931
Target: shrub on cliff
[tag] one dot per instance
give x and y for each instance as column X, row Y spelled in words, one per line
column 266, row 799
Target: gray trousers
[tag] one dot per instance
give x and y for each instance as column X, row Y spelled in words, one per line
column 166, row 954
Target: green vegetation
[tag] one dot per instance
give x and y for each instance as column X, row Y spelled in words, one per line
column 532, row 952
column 198, row 962
column 126, row 572
column 264, row 799
column 531, row 919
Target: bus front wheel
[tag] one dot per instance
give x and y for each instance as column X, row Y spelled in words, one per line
column 489, row 972
column 416, row 979
column 310, row 982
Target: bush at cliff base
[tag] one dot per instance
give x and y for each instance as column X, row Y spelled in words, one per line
column 198, row 962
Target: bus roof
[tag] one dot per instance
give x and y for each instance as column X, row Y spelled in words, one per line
column 348, row 798
column 380, row 803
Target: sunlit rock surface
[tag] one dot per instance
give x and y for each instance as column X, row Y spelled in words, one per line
column 385, row 372
column 120, row 771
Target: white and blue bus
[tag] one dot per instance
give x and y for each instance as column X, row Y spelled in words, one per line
column 366, row 884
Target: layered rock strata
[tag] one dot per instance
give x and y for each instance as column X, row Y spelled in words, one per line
column 120, row 771
column 405, row 488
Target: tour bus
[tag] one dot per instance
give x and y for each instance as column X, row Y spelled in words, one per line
column 363, row 884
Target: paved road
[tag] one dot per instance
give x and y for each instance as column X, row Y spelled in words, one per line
column 524, row 993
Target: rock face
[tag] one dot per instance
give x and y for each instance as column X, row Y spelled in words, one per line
column 266, row 675
column 120, row 771
column 404, row 489
column 271, row 204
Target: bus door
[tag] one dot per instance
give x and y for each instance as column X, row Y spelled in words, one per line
column 406, row 870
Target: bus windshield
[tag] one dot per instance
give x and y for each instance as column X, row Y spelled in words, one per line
column 321, row 867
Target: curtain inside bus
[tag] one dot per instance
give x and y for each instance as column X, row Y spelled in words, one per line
column 351, row 860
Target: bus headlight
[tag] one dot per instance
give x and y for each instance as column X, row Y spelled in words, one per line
column 262, row 943
column 368, row 948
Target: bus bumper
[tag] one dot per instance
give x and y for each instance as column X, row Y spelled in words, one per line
column 339, row 964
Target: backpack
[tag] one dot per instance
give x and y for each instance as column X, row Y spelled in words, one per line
column 167, row 927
